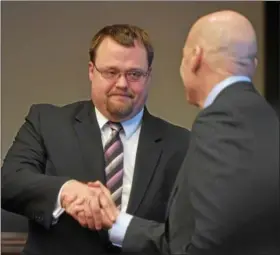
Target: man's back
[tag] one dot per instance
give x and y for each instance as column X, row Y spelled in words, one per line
column 232, row 169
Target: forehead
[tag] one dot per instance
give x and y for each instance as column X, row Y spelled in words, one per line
column 111, row 53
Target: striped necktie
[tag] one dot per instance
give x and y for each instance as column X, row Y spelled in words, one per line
column 113, row 152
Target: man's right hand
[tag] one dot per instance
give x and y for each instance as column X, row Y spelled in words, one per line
column 82, row 203
column 108, row 208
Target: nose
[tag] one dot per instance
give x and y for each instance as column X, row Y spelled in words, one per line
column 122, row 82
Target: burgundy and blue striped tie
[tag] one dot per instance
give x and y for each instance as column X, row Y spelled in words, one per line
column 113, row 152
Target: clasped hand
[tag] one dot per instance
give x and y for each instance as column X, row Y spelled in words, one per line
column 90, row 204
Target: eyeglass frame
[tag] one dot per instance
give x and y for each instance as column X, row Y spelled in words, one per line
column 119, row 73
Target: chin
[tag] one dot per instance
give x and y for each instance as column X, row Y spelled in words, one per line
column 120, row 110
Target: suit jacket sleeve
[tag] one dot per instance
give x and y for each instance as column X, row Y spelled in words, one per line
column 145, row 237
column 26, row 190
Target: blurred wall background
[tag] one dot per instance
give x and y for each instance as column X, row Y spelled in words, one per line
column 45, row 56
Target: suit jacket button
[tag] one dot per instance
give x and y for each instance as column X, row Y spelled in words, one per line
column 38, row 218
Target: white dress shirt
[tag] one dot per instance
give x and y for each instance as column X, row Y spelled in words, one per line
column 221, row 86
column 129, row 137
column 118, row 230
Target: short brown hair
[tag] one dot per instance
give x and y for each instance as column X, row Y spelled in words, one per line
column 124, row 35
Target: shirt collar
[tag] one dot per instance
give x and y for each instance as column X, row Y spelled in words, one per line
column 129, row 126
column 221, row 86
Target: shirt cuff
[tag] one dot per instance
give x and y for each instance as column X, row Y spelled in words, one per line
column 58, row 210
column 118, row 230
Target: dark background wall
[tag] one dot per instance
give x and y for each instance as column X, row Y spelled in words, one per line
column 272, row 44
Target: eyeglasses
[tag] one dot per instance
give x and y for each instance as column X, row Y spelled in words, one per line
column 112, row 74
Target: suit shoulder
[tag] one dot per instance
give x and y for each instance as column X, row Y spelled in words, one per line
column 172, row 129
column 177, row 138
column 51, row 109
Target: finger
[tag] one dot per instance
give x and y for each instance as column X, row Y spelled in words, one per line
column 77, row 202
column 96, row 211
column 95, row 184
column 68, row 199
column 107, row 202
column 111, row 204
column 99, row 187
column 99, row 184
column 108, row 206
column 106, row 222
column 104, row 189
column 76, row 210
column 75, row 207
column 81, row 218
column 88, row 215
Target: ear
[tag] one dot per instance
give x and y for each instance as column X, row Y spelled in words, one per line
column 90, row 70
column 256, row 62
column 149, row 77
column 196, row 58
column 150, row 71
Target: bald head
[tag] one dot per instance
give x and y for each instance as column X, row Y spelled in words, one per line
column 228, row 41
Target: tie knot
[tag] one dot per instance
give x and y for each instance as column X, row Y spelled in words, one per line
column 116, row 126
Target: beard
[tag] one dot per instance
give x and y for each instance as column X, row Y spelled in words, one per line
column 120, row 109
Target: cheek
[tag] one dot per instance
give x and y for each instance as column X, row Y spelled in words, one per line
column 99, row 88
column 183, row 75
column 140, row 91
column 186, row 78
column 183, row 70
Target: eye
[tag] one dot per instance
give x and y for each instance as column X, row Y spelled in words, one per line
column 111, row 72
column 135, row 74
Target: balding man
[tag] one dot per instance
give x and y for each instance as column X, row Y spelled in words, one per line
column 225, row 199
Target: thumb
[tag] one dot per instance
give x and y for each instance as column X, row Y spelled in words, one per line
column 95, row 184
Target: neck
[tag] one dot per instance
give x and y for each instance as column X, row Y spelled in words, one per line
column 210, row 81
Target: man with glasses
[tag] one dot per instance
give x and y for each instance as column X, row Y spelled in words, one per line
column 111, row 138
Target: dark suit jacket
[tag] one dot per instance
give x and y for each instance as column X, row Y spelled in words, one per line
column 56, row 144
column 225, row 200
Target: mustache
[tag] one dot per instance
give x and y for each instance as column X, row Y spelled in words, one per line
column 121, row 93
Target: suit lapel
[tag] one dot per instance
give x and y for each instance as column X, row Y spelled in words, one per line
column 181, row 176
column 148, row 154
column 90, row 143
column 173, row 193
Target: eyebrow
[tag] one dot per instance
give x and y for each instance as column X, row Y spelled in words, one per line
column 130, row 69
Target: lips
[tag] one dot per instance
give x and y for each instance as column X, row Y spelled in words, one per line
column 121, row 95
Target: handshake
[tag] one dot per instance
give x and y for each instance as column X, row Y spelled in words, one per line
column 90, row 204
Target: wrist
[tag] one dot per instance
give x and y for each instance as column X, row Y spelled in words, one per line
column 64, row 191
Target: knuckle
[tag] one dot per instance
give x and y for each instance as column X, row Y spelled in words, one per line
column 95, row 211
column 94, row 207
column 88, row 216
column 83, row 223
column 105, row 205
